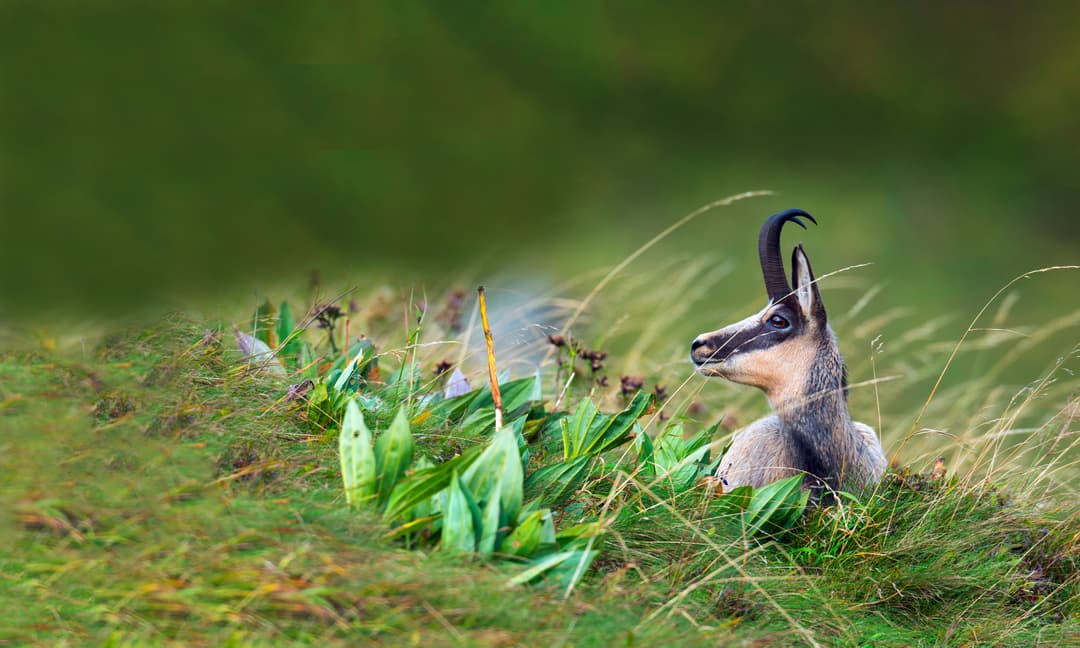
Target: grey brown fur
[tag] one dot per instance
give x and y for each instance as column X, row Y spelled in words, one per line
column 790, row 352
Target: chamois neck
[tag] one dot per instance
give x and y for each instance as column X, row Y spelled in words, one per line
column 820, row 395
column 815, row 418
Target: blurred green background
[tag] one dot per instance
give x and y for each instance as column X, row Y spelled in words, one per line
column 150, row 152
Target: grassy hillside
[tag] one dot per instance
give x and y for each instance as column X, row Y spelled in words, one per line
column 157, row 490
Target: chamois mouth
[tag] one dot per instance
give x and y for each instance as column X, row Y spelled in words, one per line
column 711, row 368
column 705, row 353
column 708, row 366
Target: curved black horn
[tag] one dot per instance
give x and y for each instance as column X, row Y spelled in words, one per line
column 772, row 266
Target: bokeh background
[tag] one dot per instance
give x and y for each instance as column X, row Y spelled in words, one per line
column 150, row 153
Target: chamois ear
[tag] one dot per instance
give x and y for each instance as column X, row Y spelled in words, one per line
column 805, row 288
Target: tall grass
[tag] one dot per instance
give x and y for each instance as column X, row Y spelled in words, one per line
column 163, row 494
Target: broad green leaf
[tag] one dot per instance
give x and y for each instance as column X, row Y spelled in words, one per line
column 452, row 409
column 680, row 461
column 346, row 374
column 525, row 538
column 576, row 429
column 309, row 367
column 460, row 518
column 608, row 434
column 735, row 500
column 537, row 393
column 489, row 524
column 288, row 338
column 478, row 423
column 774, row 508
column 568, row 573
column 498, row 473
column 351, row 368
column 515, row 395
column 547, row 530
column 425, row 483
column 683, row 474
column 393, row 455
column 571, row 536
column 563, row 566
column 427, row 507
column 357, row 457
column 518, row 426
column 645, row 462
column 552, row 484
column 318, row 407
column 589, row 432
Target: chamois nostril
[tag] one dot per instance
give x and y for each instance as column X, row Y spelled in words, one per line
column 696, row 344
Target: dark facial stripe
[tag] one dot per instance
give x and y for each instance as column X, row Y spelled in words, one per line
column 723, row 345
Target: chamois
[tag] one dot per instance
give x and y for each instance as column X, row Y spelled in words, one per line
column 789, row 351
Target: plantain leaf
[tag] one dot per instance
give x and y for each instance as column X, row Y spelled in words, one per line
column 515, row 395
column 562, row 566
column 735, row 500
column 569, row 572
column 460, row 518
column 318, row 407
column 288, row 337
column 478, row 423
column 393, row 456
column 569, row 537
column 646, row 450
column 424, row 484
column 576, row 429
column 497, row 473
column 524, row 540
column 309, row 367
column 489, row 527
column 427, row 507
column 590, row 432
column 537, row 393
column 547, row 530
column 357, row 457
column 776, row 507
column 684, row 473
column 551, row 485
column 610, row 432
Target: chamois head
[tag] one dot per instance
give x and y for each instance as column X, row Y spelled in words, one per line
column 776, row 348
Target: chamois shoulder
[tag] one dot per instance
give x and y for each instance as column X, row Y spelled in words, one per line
column 756, row 456
column 873, row 456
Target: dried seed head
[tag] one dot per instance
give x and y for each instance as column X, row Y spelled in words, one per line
column 630, row 384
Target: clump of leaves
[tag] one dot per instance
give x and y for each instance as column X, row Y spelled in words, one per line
column 674, row 460
column 586, row 434
column 475, row 502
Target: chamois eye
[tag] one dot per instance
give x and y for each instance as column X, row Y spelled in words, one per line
column 779, row 322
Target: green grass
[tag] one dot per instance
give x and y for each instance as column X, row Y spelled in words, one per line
column 155, row 493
